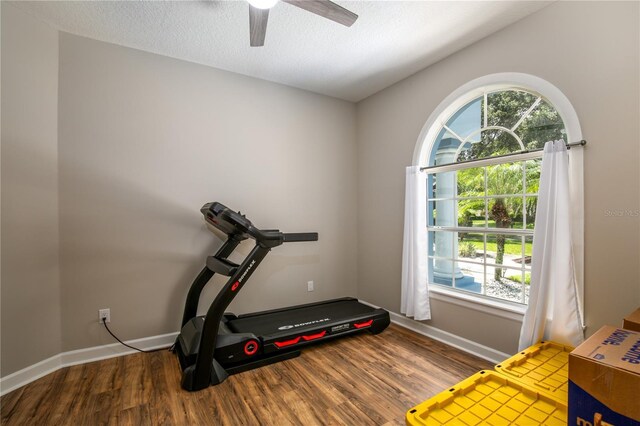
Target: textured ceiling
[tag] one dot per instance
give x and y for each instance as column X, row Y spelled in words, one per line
column 390, row 41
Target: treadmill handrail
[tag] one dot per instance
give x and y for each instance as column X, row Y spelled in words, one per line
column 275, row 238
column 225, row 219
column 292, row 237
column 199, row 375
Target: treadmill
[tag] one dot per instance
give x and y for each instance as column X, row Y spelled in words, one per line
column 213, row 346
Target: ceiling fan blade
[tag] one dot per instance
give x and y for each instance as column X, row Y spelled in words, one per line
column 326, row 9
column 257, row 25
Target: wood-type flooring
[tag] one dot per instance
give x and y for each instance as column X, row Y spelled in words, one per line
column 360, row 380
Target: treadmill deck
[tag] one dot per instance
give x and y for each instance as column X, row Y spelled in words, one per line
column 300, row 318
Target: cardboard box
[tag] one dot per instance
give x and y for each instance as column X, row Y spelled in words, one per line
column 604, row 379
column 632, row 321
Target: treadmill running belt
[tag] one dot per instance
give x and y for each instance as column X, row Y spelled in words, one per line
column 275, row 322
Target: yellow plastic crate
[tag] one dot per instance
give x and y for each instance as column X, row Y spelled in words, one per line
column 543, row 366
column 489, row 398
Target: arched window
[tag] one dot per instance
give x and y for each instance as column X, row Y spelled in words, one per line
column 481, row 214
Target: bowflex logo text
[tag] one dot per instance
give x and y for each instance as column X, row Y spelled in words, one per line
column 247, row 271
column 288, row 327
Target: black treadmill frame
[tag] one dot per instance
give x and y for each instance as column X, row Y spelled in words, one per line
column 207, row 370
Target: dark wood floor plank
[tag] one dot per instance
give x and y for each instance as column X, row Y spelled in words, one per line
column 361, row 380
column 139, row 415
column 348, row 414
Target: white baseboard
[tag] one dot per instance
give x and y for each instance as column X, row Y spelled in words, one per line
column 81, row 356
column 29, row 374
column 450, row 339
column 97, row 353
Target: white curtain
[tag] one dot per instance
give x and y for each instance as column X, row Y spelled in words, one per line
column 415, row 291
column 554, row 311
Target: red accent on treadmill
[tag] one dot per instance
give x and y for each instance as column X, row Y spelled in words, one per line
column 363, row 324
column 315, row 336
column 235, row 285
column 287, row 342
column 251, row 347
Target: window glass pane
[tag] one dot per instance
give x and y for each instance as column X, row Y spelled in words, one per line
column 542, row 125
column 467, row 119
column 523, row 259
column 504, row 250
column 493, row 142
column 533, row 168
column 528, row 251
column 430, row 243
column 442, row 213
column 431, row 186
column 505, row 212
column 442, row 185
column 519, row 260
column 441, row 243
column 471, row 213
column 431, row 205
column 530, row 206
column 508, row 287
column 470, row 277
column 444, row 148
column 442, row 272
column 504, row 179
column 516, row 276
column 470, row 182
column 505, row 108
column 471, row 246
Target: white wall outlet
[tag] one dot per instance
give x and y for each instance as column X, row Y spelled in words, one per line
column 104, row 314
column 309, row 285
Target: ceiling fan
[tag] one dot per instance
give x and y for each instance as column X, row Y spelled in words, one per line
column 259, row 15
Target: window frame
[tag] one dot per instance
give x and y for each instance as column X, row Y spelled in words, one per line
column 428, row 136
column 485, row 230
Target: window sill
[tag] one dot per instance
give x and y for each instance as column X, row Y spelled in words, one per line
column 503, row 309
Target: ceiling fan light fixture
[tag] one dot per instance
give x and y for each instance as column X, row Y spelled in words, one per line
column 263, row 4
column 259, row 15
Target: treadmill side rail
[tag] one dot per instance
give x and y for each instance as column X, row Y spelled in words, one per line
column 374, row 321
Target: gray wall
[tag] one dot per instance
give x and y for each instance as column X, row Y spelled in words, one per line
column 29, row 271
column 590, row 51
column 134, row 143
column 145, row 141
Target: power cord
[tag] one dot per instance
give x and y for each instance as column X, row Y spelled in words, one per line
column 104, row 322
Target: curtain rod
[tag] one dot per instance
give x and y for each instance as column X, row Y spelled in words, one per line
column 525, row 151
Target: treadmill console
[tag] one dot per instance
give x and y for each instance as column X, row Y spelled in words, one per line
column 237, row 225
column 225, row 219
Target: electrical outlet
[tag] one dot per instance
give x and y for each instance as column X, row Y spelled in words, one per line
column 104, row 314
column 309, row 285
